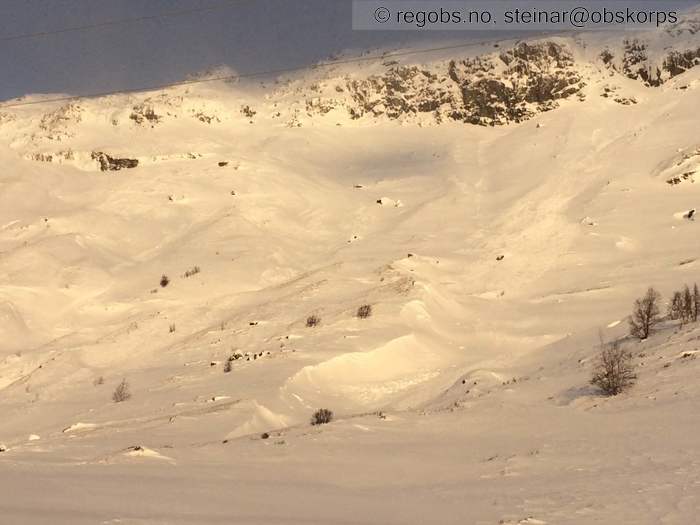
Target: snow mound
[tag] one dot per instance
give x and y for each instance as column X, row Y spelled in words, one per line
column 386, row 201
column 138, row 451
column 262, row 419
column 79, row 427
column 367, row 380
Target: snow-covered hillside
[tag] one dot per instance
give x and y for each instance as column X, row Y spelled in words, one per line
column 496, row 205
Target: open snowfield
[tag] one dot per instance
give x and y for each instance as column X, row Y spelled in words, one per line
column 491, row 257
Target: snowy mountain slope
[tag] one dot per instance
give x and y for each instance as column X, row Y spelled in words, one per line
column 487, row 253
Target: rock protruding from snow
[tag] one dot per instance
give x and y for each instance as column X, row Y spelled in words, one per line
column 519, row 83
column 108, row 163
column 144, row 113
column 682, row 168
column 638, row 61
column 486, row 90
column 386, row 201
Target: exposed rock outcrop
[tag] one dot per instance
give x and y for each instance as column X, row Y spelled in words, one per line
column 490, row 90
column 144, row 113
column 108, row 163
column 637, row 64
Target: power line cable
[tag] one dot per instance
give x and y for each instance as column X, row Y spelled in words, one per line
column 121, row 21
column 279, row 71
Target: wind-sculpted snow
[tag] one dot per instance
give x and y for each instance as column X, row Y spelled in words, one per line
column 683, row 168
column 498, row 209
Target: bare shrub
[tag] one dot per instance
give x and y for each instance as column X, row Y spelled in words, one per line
column 228, row 366
column 614, row 371
column 171, row 328
column 122, row 392
column 645, row 314
column 364, row 311
column 247, row 111
column 321, row 417
column 164, row 281
column 99, row 381
column 313, row 320
column 696, row 303
column 192, row 271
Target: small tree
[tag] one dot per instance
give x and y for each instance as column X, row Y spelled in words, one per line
column 121, row 393
column 696, row 303
column 645, row 314
column 676, row 308
column 614, row 371
column 687, row 305
column 682, row 306
column 322, row 416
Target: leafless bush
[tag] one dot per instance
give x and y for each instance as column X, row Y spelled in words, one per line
column 171, row 328
column 614, row 371
column 99, row 381
column 192, row 271
column 322, row 416
column 228, row 366
column 645, row 314
column 122, row 392
column 247, row 111
column 164, row 281
column 364, row 311
column 313, row 320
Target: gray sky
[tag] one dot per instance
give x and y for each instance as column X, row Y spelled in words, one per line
column 250, row 35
